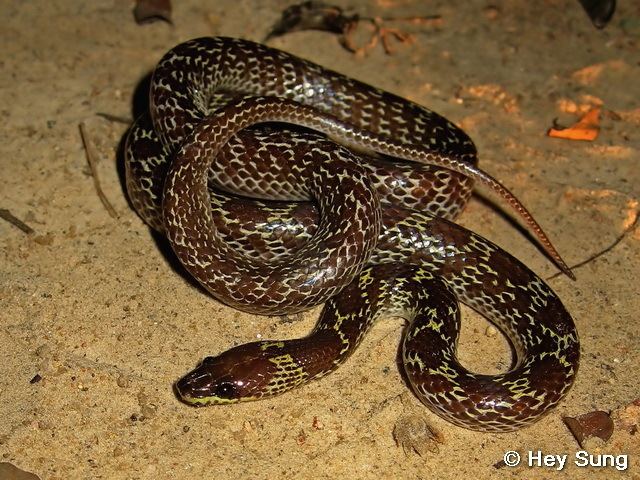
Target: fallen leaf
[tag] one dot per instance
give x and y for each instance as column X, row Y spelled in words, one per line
column 318, row 15
column 588, row 425
column 312, row 15
column 587, row 128
column 599, row 11
column 147, row 11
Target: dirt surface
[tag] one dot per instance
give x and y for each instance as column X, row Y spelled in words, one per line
column 96, row 324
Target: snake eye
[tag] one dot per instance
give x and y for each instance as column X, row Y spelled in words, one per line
column 208, row 360
column 226, row 390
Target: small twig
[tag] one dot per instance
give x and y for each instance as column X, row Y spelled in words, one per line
column 16, row 222
column 92, row 159
column 399, row 35
column 615, row 243
column 114, row 118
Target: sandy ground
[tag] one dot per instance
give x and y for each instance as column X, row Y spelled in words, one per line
column 93, row 305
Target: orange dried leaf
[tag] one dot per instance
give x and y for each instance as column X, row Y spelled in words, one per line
column 587, row 128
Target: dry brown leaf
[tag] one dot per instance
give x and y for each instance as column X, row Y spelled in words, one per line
column 147, row 11
column 588, row 425
column 599, row 11
column 313, row 15
column 318, row 15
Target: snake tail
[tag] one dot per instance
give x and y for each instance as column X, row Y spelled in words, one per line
column 193, row 74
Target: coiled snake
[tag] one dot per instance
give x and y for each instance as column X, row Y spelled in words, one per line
column 193, row 162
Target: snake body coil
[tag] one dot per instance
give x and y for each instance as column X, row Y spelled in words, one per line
column 282, row 257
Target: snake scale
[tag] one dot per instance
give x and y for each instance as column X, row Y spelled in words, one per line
column 281, row 185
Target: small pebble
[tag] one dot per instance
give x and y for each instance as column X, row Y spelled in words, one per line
column 301, row 439
column 44, row 239
column 317, row 424
column 149, row 411
column 491, row 331
column 122, row 381
column 415, row 435
column 492, row 12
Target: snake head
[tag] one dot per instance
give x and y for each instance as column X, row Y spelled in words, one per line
column 207, row 385
column 240, row 374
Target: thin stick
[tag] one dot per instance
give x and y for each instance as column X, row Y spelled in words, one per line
column 114, row 118
column 16, row 222
column 92, row 159
column 615, row 243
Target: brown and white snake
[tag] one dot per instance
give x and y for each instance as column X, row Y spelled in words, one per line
column 201, row 140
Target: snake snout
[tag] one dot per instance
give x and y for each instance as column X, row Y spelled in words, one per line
column 210, row 383
column 194, row 387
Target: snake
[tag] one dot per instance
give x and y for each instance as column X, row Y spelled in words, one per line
column 204, row 147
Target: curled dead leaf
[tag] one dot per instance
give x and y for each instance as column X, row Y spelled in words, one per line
column 318, row 15
column 599, row 11
column 587, row 128
column 147, row 11
column 312, row 15
column 588, row 425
